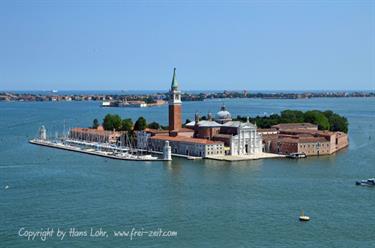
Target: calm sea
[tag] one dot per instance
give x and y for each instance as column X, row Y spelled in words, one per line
column 208, row 203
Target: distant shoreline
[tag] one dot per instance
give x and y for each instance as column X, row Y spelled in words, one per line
column 154, row 96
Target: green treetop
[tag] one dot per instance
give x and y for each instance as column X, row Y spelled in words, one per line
column 140, row 124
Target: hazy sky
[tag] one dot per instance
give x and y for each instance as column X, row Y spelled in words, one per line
column 254, row 45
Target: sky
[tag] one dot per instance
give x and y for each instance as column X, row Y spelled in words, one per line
column 215, row 45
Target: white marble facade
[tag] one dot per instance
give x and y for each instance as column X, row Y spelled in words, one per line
column 247, row 141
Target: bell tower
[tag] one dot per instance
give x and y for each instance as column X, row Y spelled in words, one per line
column 174, row 105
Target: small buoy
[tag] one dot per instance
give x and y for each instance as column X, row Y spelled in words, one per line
column 303, row 217
column 6, row 186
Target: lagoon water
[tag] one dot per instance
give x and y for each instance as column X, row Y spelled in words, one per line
column 208, row 203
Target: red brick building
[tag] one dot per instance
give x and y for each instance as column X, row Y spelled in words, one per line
column 295, row 138
column 95, row 135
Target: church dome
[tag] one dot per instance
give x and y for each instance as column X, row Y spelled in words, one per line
column 223, row 115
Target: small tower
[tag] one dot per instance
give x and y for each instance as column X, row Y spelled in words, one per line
column 42, row 133
column 196, row 118
column 196, row 124
column 174, row 105
column 167, row 151
column 209, row 116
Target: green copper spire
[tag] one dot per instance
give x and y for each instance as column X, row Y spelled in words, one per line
column 174, row 80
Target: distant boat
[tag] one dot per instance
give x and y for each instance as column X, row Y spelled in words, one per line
column 296, row 155
column 368, row 182
column 106, row 104
column 55, row 91
column 304, row 217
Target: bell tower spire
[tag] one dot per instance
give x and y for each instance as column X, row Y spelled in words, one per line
column 174, row 85
column 174, row 105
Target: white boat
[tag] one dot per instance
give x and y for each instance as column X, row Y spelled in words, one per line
column 106, row 104
column 148, row 157
column 368, row 182
column 296, row 155
column 304, row 217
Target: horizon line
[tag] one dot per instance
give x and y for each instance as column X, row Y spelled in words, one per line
column 165, row 90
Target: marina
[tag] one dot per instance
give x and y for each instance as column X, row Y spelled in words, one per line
column 102, row 148
column 113, row 153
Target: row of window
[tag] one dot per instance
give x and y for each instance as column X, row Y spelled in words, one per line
column 313, row 145
column 213, row 153
column 215, row 148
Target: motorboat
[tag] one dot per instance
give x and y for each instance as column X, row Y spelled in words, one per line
column 296, row 155
column 368, row 182
column 304, row 217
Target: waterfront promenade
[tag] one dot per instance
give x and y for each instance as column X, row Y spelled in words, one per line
column 234, row 158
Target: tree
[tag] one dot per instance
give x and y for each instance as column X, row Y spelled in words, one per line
column 328, row 113
column 140, row 124
column 127, row 125
column 154, row 125
column 95, row 123
column 338, row 123
column 112, row 122
column 291, row 116
column 318, row 118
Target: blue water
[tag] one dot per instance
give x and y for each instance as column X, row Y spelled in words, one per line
column 208, row 203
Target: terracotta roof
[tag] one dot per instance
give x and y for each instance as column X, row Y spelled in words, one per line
column 183, row 129
column 151, row 130
column 294, row 125
column 312, row 139
column 267, row 137
column 93, row 131
column 303, row 139
column 266, row 129
column 310, row 132
column 219, row 135
column 186, row 140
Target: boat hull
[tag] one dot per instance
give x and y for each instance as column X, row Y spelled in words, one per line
column 304, row 218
